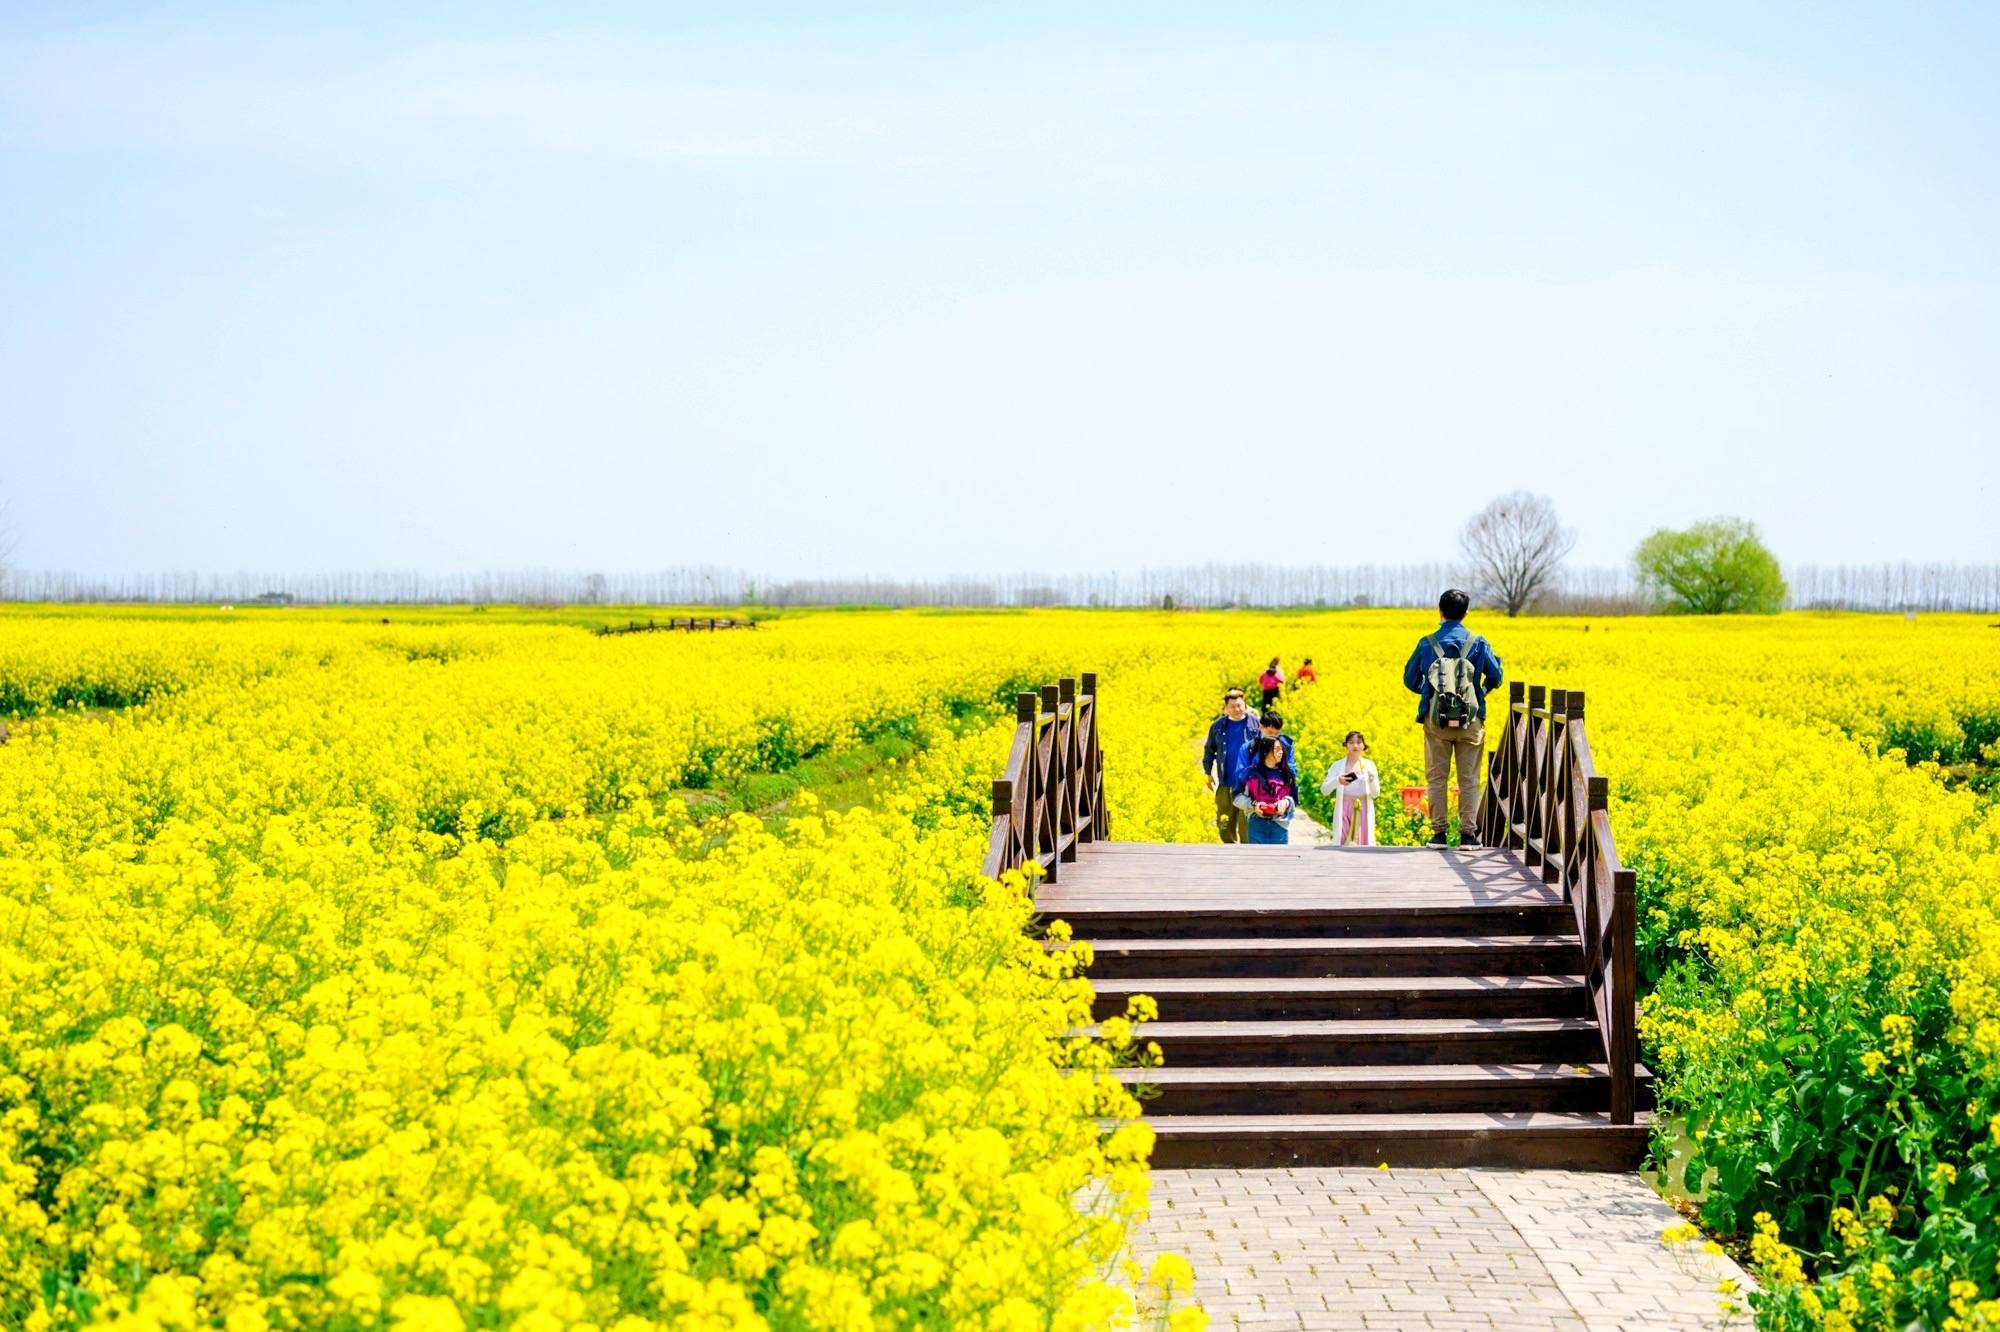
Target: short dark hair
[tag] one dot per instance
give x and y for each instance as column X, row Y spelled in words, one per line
column 1355, row 735
column 1231, row 692
column 1454, row 604
column 1272, row 720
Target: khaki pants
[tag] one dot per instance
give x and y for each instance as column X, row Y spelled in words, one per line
column 1231, row 823
column 1441, row 745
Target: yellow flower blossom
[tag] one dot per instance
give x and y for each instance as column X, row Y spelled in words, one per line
column 472, row 969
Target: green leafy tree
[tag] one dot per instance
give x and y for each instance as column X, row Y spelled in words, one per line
column 1718, row 567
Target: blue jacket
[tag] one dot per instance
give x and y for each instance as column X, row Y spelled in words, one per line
column 1246, row 760
column 1451, row 634
column 1227, row 748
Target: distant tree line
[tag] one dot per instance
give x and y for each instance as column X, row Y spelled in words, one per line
column 699, row 585
column 1895, row 586
column 1592, row 590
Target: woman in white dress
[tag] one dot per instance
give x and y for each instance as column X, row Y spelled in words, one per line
column 1353, row 777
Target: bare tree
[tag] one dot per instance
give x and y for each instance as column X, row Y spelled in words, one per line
column 1516, row 546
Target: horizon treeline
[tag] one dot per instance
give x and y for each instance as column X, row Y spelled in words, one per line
column 1889, row 586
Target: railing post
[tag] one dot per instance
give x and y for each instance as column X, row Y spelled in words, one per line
column 1576, row 838
column 1066, row 736
column 1026, row 713
column 1555, row 809
column 1489, row 793
column 1090, row 822
column 1599, row 797
column 1516, row 775
column 1000, row 846
column 1623, row 1038
column 1531, row 807
column 1048, row 824
column 1493, row 797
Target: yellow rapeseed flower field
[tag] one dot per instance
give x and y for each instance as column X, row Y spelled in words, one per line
column 364, row 974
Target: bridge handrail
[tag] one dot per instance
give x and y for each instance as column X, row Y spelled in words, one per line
column 1052, row 799
column 1545, row 800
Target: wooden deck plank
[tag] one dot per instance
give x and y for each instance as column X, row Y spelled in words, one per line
column 1361, row 1029
column 1451, row 858
column 1118, row 849
column 1112, row 876
column 1256, row 998
column 1085, row 901
column 1251, row 889
column 1444, row 1122
column 1467, row 985
column 1114, row 852
column 1111, row 857
column 1519, row 1086
column 1569, row 1140
column 1321, row 954
column 1291, row 944
column 1359, row 1075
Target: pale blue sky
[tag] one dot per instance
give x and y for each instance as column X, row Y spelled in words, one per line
column 624, row 287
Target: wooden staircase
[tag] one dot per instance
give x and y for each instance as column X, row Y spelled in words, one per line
column 1358, row 1006
column 1323, row 1006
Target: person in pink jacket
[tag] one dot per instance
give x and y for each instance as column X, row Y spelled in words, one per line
column 1272, row 682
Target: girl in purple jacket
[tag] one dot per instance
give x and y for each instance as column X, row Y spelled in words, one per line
column 1270, row 793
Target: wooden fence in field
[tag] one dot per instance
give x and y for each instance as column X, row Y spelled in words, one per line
column 1052, row 798
column 1545, row 800
column 685, row 623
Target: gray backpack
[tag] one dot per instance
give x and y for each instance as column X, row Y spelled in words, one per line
column 1454, row 683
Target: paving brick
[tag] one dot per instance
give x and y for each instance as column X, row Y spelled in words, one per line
column 1452, row 1250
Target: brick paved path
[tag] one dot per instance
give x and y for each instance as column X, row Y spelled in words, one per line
column 1420, row 1249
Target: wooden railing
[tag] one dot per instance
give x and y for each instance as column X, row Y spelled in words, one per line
column 1052, row 799
column 1545, row 800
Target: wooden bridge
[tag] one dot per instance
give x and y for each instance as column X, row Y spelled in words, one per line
column 1324, row 1005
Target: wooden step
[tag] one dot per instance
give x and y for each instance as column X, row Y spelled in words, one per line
column 1377, row 1041
column 1375, row 1088
column 1561, row 1140
column 1349, row 1007
column 1419, row 955
column 1264, row 998
column 1384, row 919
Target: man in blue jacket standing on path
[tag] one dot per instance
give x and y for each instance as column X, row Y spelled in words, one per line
column 1451, row 672
column 1224, row 756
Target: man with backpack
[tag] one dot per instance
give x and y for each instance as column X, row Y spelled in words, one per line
column 1451, row 672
